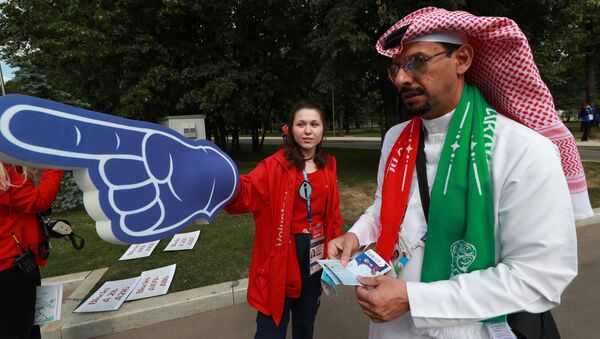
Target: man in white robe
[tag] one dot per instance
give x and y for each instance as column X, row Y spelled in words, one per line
column 533, row 212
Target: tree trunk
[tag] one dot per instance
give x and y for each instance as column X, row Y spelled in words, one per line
column 589, row 76
column 391, row 106
column 219, row 133
column 341, row 121
column 266, row 124
column 254, row 132
column 222, row 135
column 262, row 138
column 235, row 139
column 347, row 123
column 208, row 129
column 215, row 134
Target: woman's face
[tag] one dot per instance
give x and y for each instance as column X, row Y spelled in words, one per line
column 308, row 130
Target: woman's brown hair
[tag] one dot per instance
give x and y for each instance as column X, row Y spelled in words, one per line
column 293, row 151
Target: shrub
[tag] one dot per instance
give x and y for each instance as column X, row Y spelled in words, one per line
column 69, row 196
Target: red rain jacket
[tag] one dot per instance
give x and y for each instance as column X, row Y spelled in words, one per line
column 18, row 207
column 268, row 192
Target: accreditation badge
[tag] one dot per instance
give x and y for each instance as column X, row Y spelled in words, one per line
column 317, row 248
column 400, row 256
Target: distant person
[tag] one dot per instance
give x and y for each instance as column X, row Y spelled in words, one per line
column 284, row 132
column 476, row 204
column 295, row 200
column 587, row 119
column 20, row 240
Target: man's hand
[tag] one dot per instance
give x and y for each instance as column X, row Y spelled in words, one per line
column 343, row 247
column 383, row 298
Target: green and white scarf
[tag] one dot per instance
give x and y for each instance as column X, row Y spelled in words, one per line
column 460, row 231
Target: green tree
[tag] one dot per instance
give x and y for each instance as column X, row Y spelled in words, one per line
column 28, row 81
column 243, row 63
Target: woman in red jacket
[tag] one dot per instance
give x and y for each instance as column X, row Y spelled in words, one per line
column 20, row 238
column 295, row 200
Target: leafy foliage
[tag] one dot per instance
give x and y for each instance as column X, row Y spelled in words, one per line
column 69, row 196
column 243, row 63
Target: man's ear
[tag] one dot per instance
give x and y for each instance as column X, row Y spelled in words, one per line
column 464, row 56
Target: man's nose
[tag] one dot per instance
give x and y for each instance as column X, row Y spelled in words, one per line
column 403, row 78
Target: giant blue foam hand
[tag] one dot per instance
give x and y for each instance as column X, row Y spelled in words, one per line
column 141, row 181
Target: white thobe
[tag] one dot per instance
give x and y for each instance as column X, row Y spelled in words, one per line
column 536, row 246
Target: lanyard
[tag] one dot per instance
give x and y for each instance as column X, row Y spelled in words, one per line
column 422, row 178
column 305, row 192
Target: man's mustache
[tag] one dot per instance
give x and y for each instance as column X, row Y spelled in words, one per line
column 418, row 90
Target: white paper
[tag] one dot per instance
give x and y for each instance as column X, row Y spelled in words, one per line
column 136, row 251
column 109, row 297
column 48, row 301
column 153, row 283
column 183, row 241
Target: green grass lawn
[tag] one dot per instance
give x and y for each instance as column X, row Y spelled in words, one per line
column 224, row 249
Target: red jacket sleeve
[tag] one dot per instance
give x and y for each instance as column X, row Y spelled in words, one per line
column 252, row 194
column 26, row 198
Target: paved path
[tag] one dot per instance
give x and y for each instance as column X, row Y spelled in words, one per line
column 578, row 317
column 589, row 151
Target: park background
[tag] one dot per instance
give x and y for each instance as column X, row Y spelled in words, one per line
column 242, row 64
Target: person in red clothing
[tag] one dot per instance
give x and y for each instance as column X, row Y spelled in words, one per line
column 20, row 237
column 295, row 200
column 284, row 132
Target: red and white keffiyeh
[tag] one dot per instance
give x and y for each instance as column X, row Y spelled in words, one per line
column 504, row 71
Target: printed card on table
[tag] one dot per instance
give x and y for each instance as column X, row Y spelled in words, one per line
column 153, row 283
column 183, row 241
column 109, row 297
column 136, row 251
column 48, row 301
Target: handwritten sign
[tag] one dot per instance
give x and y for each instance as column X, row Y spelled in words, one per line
column 153, row 283
column 183, row 241
column 136, row 251
column 109, row 297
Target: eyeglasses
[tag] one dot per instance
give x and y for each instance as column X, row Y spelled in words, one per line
column 414, row 65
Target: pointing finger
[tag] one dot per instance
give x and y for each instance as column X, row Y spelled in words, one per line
column 66, row 136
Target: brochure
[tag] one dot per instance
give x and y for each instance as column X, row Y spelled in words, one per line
column 366, row 264
column 48, row 301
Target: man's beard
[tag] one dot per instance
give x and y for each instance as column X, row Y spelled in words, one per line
column 418, row 111
column 415, row 110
